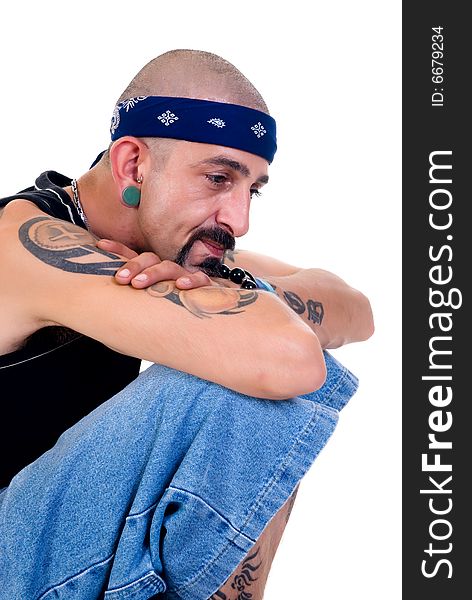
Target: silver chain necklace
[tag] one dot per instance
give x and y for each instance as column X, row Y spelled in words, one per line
column 75, row 195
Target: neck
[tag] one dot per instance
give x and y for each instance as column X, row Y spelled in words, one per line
column 106, row 215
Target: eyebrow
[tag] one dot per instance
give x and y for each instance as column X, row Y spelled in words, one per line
column 223, row 161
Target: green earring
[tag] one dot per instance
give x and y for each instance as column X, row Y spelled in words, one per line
column 131, row 195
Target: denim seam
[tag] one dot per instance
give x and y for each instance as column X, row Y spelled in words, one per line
column 338, row 383
column 201, row 391
column 259, row 501
column 329, row 393
column 76, row 576
column 272, row 481
column 142, row 513
column 222, row 517
column 131, row 588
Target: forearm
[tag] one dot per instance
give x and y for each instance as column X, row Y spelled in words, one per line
column 246, row 340
column 336, row 312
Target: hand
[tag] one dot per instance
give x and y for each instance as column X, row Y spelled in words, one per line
column 143, row 270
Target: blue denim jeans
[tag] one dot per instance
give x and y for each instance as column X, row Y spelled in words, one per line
column 161, row 491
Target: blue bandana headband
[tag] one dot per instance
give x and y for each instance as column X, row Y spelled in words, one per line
column 194, row 120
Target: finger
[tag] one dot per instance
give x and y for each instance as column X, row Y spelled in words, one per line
column 164, row 271
column 193, row 280
column 137, row 266
column 117, row 248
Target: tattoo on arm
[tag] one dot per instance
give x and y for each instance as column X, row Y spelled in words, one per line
column 206, row 301
column 71, row 248
column 67, row 247
column 229, row 255
column 314, row 309
column 245, row 576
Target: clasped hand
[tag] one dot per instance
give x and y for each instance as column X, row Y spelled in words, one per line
column 145, row 269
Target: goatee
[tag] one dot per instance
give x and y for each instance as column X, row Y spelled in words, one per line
column 210, row 265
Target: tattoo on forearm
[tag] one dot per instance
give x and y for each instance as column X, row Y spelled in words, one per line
column 245, row 576
column 229, row 255
column 205, row 302
column 67, row 247
column 71, row 248
column 295, row 302
column 314, row 309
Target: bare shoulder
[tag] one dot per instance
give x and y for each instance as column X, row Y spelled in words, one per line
column 31, row 242
column 16, row 323
column 27, row 233
column 13, row 215
column 14, row 210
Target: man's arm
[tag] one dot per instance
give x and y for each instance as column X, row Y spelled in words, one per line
column 243, row 339
column 337, row 313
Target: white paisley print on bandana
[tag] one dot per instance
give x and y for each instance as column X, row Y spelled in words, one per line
column 217, row 122
column 167, row 118
column 115, row 119
column 131, row 102
column 259, row 129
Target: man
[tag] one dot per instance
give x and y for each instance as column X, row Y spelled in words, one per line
column 186, row 476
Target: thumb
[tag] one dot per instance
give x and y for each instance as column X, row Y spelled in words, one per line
column 117, row 248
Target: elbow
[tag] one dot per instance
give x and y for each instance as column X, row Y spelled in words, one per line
column 299, row 369
column 359, row 319
column 306, row 376
column 366, row 318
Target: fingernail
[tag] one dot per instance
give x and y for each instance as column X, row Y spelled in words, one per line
column 124, row 273
column 105, row 241
column 184, row 281
column 140, row 277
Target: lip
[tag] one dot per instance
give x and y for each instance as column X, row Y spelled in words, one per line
column 214, row 248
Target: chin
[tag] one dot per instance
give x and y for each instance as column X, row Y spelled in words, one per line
column 211, row 266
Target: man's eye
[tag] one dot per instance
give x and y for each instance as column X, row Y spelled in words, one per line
column 256, row 192
column 217, row 179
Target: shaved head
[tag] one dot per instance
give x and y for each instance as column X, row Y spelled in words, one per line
column 194, row 74
column 189, row 74
column 194, row 195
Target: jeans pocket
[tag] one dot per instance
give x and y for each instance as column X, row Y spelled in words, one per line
column 146, row 586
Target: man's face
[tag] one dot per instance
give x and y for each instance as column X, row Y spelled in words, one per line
column 194, row 205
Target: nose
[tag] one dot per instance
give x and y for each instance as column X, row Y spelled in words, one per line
column 233, row 214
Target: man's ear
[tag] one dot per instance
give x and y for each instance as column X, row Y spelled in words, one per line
column 127, row 156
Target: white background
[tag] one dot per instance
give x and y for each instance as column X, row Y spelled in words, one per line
column 330, row 73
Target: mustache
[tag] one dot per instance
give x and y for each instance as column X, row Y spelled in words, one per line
column 211, row 234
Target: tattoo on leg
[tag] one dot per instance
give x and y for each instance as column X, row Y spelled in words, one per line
column 243, row 579
column 206, row 301
column 291, row 502
column 67, row 247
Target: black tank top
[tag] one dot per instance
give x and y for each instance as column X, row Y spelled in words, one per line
column 59, row 375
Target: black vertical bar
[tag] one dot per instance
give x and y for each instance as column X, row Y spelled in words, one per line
column 437, row 134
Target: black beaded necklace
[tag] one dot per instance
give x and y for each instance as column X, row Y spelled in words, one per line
column 237, row 275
